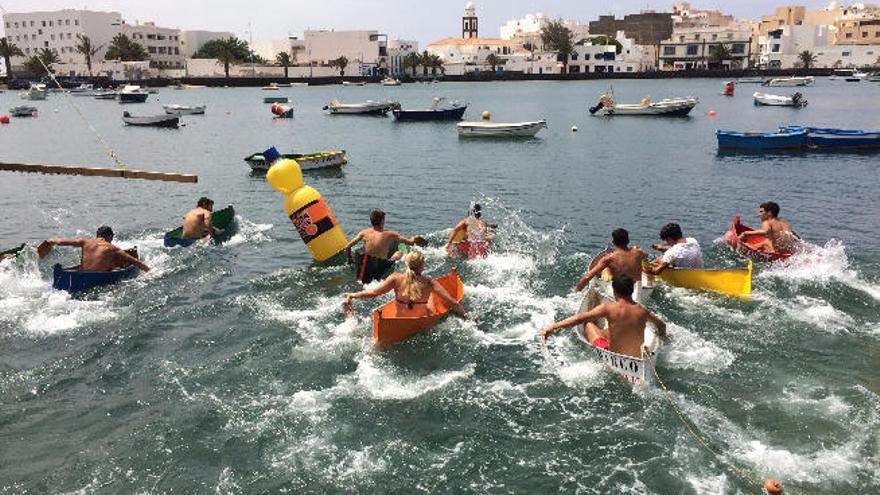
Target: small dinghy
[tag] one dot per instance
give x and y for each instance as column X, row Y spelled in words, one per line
column 441, row 109
column 789, row 81
column 306, row 161
column 782, row 139
column 184, row 109
column 500, row 129
column 133, row 94
column 796, row 100
column 75, row 280
column 669, row 107
column 105, row 95
column 748, row 247
column 839, row 139
column 151, row 121
column 23, row 111
column 369, row 107
column 222, row 221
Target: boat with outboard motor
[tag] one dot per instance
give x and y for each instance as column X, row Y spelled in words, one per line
column 669, row 107
column 796, row 100
column 36, row 92
column 23, row 111
column 441, row 109
column 131, row 93
column 500, row 129
column 369, row 107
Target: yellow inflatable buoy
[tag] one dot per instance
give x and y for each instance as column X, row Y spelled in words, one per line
column 486, row 115
column 306, row 208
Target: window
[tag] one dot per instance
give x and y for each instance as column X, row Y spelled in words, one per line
column 69, row 36
column 697, row 37
column 774, row 48
column 848, row 35
column 668, row 50
column 176, row 51
column 877, row 34
column 681, row 39
column 50, row 24
column 586, row 56
column 39, row 31
column 714, row 36
column 46, row 44
column 76, row 22
column 629, row 69
column 738, row 48
column 574, row 69
column 32, row 23
column 864, row 34
column 151, row 49
column 67, row 22
column 692, row 49
column 51, row 36
column 574, row 56
column 846, row 54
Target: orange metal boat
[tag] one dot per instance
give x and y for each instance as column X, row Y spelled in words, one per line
column 394, row 322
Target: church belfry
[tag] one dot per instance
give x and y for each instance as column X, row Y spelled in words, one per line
column 469, row 23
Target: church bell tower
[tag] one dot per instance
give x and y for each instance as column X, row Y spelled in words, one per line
column 469, row 23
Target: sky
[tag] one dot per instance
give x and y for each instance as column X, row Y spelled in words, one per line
column 421, row 20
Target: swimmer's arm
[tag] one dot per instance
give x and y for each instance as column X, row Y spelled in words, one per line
column 57, row 241
column 601, row 265
column 658, row 324
column 376, row 291
column 409, row 241
column 209, row 227
column 579, row 319
column 454, row 306
column 126, row 258
column 351, row 243
column 455, row 230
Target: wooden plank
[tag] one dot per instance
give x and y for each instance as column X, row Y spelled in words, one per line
column 98, row 172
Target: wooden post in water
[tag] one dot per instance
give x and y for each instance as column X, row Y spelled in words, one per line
column 98, row 172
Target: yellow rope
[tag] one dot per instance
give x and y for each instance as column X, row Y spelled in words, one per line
column 693, row 431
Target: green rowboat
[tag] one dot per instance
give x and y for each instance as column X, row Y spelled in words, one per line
column 222, row 221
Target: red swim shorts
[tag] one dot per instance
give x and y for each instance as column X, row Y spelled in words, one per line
column 602, row 343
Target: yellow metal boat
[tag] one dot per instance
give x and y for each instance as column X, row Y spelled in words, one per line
column 736, row 282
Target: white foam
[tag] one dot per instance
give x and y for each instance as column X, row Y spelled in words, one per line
column 249, row 232
column 805, row 401
column 819, row 313
column 379, row 382
column 708, row 485
column 687, row 350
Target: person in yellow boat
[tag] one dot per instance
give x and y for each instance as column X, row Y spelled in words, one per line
column 472, row 228
column 377, row 257
column 780, row 235
column 678, row 251
column 622, row 261
column 412, row 290
column 197, row 222
column 626, row 321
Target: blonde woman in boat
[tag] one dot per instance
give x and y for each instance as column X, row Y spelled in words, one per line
column 412, row 290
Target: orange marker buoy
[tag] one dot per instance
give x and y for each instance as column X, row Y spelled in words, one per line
column 228, row 113
column 712, row 113
column 773, row 487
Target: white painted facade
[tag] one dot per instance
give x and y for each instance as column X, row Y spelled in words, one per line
column 58, row 30
column 162, row 44
column 781, row 48
column 366, row 50
column 269, row 49
column 191, row 41
column 527, row 30
column 690, row 47
column 586, row 58
column 397, row 51
column 204, row 67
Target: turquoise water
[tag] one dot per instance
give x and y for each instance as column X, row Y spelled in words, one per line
column 231, row 369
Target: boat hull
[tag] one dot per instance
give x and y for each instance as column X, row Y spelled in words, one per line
column 133, row 97
column 424, row 115
column 183, row 110
column 11, row 253
column 276, row 99
column 735, row 282
column 22, row 111
column 313, row 161
column 152, row 121
column 824, row 138
column 482, row 129
column 221, row 220
column 74, row 281
column 761, row 141
column 663, row 108
column 390, row 327
column 748, row 248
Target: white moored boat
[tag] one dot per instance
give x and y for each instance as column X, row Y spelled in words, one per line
column 23, row 111
column 632, row 369
column 36, row 92
column 669, row 107
column 500, row 129
column 796, row 100
column 789, row 81
column 369, row 107
column 390, row 81
column 184, row 109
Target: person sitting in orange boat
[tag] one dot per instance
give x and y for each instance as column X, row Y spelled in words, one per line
column 622, row 261
column 472, row 228
column 197, row 222
column 98, row 254
column 377, row 258
column 412, row 290
column 678, row 251
column 780, row 235
column 626, row 321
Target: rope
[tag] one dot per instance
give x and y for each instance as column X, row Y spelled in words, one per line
column 693, row 431
column 107, row 149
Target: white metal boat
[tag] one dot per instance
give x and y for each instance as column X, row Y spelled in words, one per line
column 390, row 81
column 36, row 92
column 790, row 81
column 23, row 111
column 750, row 80
column 369, row 107
column 151, row 121
column 184, row 109
column 767, row 99
column 83, row 89
column 500, row 129
column 873, row 77
column 669, row 107
column 105, row 95
column 354, row 83
column 307, row 161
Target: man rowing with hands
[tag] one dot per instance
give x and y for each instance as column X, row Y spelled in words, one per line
column 98, row 254
column 626, row 321
column 197, row 223
column 622, row 261
column 780, row 235
column 377, row 247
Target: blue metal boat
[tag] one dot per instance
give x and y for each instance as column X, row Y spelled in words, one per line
column 784, row 139
column 827, row 138
column 222, row 221
column 441, row 109
column 73, row 280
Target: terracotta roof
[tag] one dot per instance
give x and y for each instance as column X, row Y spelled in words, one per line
column 472, row 41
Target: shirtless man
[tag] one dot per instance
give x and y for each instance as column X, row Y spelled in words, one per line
column 98, row 254
column 626, row 322
column 377, row 246
column 197, row 222
column 780, row 236
column 475, row 229
column 623, row 261
column 678, row 251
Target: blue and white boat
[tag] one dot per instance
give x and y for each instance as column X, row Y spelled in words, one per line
column 828, row 138
column 783, row 139
column 75, row 280
column 133, row 94
column 441, row 109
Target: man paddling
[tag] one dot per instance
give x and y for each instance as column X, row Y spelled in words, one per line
column 626, row 321
column 780, row 235
column 197, row 222
column 622, row 261
column 377, row 247
column 472, row 228
column 678, row 251
column 98, row 254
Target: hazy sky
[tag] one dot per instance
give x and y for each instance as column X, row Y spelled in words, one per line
column 422, row 20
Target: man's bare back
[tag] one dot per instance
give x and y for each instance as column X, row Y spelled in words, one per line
column 626, row 327
column 627, row 262
column 99, row 255
column 377, row 243
column 780, row 233
column 197, row 223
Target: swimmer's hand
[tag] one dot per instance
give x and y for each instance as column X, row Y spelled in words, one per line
column 420, row 241
column 347, row 307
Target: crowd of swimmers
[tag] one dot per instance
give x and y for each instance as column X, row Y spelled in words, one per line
column 412, row 289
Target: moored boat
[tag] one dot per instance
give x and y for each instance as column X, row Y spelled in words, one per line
column 271, row 87
column 75, row 280
column 306, row 161
column 748, row 247
column 441, row 109
column 276, row 99
column 222, row 222
column 750, row 80
column 735, row 282
column 635, row 370
column 354, row 83
column 35, row 92
column 873, row 77
column 369, row 107
column 826, row 138
column 184, row 109
column 669, row 107
column 390, row 81
column 105, row 95
column 133, row 94
column 23, row 111
column 796, row 100
column 393, row 322
column 782, row 139
column 789, row 81
column 500, row 129
column 151, row 121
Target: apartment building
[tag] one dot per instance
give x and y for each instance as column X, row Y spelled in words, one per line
column 162, row 44
column 693, row 48
column 58, row 31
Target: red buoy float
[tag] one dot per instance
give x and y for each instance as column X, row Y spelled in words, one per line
column 4, row 119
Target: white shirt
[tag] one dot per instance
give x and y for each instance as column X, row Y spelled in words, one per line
column 685, row 255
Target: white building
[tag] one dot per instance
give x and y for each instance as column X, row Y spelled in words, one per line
column 397, row 52
column 587, row 58
column 366, row 50
column 692, row 47
column 527, row 30
column 271, row 48
column 781, row 48
column 162, row 44
column 469, row 53
column 192, row 41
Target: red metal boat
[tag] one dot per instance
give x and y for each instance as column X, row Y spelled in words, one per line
column 747, row 247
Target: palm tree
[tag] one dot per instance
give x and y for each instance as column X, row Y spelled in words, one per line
column 719, row 53
column 435, row 62
column 124, row 49
column 557, row 37
column 227, row 51
column 807, row 59
column 48, row 57
column 494, row 61
column 412, row 59
column 7, row 51
column 283, row 59
column 341, row 63
column 87, row 50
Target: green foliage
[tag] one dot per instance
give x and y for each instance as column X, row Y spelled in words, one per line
column 607, row 40
column 44, row 59
column 228, row 51
column 85, row 47
column 413, row 60
column 807, row 59
column 7, row 51
column 494, row 61
column 123, row 48
column 341, row 63
column 283, row 59
column 719, row 53
column 556, row 37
